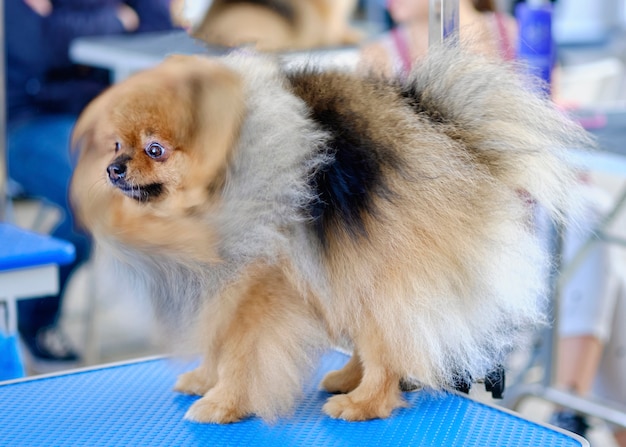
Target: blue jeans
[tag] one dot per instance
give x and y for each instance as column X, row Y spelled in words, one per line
column 39, row 160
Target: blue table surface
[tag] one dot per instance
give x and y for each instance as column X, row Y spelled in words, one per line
column 20, row 248
column 134, row 405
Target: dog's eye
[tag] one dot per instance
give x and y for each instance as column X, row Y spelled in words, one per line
column 155, row 150
column 117, row 146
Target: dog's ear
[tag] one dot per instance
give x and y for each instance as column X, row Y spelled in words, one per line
column 88, row 152
column 218, row 108
column 90, row 119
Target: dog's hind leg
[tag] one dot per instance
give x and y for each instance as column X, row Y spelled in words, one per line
column 377, row 393
column 345, row 379
column 196, row 382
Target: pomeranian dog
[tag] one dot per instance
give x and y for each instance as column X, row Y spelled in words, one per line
column 270, row 213
column 278, row 25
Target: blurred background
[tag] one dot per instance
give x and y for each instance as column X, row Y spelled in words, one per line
column 100, row 323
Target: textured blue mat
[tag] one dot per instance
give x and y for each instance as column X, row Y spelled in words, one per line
column 133, row 405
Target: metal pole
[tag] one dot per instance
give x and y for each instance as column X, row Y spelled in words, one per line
column 443, row 20
column 3, row 117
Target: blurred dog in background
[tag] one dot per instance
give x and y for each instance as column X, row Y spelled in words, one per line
column 278, row 25
column 273, row 213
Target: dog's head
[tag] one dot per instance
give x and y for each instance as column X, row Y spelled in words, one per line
column 156, row 145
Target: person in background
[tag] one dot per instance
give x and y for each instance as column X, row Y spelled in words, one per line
column 491, row 33
column 45, row 92
column 591, row 350
column 592, row 330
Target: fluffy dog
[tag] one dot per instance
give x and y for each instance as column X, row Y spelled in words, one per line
column 276, row 212
column 272, row 25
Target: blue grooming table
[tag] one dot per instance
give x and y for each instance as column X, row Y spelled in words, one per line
column 133, row 404
column 28, row 268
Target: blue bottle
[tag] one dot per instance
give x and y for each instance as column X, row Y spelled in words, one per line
column 535, row 46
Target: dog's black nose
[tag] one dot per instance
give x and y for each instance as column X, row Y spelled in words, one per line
column 116, row 171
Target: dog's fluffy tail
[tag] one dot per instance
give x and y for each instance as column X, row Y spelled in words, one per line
column 500, row 115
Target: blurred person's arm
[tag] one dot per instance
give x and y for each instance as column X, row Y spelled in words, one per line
column 154, row 15
column 578, row 361
column 41, row 7
column 375, row 59
column 68, row 21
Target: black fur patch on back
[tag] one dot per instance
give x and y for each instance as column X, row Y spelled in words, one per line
column 345, row 187
column 282, row 8
column 413, row 98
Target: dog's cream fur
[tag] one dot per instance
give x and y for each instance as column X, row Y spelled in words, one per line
column 438, row 279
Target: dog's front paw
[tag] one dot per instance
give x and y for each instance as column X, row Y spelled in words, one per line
column 196, row 382
column 213, row 410
column 345, row 407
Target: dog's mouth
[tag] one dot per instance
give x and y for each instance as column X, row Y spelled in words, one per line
column 118, row 176
column 141, row 193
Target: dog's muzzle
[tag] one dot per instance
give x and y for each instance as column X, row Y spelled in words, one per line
column 116, row 171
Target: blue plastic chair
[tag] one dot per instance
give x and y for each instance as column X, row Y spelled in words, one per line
column 28, row 268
